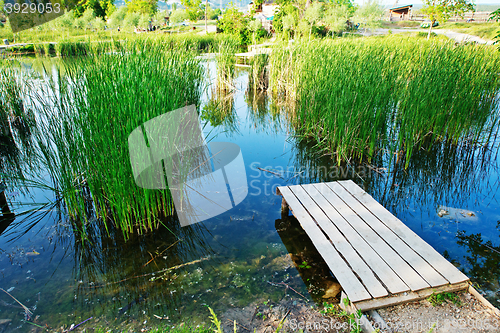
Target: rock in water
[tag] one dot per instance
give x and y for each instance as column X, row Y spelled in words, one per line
column 5, row 321
column 442, row 212
column 333, row 290
column 458, row 214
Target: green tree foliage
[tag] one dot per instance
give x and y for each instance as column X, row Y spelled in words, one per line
column 178, row 16
column 441, row 10
column 148, row 7
column 310, row 17
column 117, row 17
column 132, row 19
column 101, row 8
column 193, row 9
column 370, row 13
column 337, row 16
column 233, row 21
column 286, row 18
column 496, row 16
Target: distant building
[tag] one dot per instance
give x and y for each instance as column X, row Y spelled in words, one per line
column 264, row 12
column 400, row 13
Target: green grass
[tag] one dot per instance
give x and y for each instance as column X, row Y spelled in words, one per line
column 358, row 98
column 83, row 131
column 77, row 42
column 438, row 299
column 486, row 30
column 16, row 128
column 226, row 61
column 258, row 77
column 400, row 24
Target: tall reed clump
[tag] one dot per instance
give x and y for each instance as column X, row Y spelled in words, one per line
column 72, row 48
column 17, row 123
column 87, row 123
column 258, row 78
column 226, row 61
column 360, row 97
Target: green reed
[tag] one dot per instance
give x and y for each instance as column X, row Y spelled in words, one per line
column 258, row 76
column 17, row 122
column 86, row 122
column 357, row 98
column 90, row 45
column 226, row 61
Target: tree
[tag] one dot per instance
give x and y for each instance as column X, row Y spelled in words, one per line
column 442, row 10
column 178, row 16
column 117, row 17
column 101, row 8
column 193, row 9
column 370, row 13
column 233, row 21
column 313, row 14
column 148, row 7
column 496, row 16
column 336, row 17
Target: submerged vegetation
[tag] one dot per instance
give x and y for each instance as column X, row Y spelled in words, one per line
column 357, row 98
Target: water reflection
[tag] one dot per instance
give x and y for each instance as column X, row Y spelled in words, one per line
column 115, row 275
column 313, row 270
column 220, row 111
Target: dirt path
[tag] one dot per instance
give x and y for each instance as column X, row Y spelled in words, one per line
column 457, row 36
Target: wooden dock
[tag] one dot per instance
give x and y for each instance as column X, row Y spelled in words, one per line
column 376, row 258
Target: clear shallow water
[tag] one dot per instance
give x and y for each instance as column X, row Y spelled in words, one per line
column 239, row 257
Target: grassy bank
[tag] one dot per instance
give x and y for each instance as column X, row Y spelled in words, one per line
column 357, row 98
column 486, row 30
column 94, row 44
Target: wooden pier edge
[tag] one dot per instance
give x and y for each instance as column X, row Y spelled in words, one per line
column 406, row 297
column 492, row 309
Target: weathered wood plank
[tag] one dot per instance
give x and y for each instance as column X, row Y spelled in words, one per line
column 303, row 193
column 341, row 214
column 428, row 276
column 410, row 296
column 328, row 200
column 434, row 258
column 384, row 242
column 349, row 282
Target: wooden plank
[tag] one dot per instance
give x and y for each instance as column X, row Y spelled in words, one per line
column 493, row 310
column 427, row 275
column 382, row 270
column 382, row 240
column 334, row 207
column 410, row 296
column 374, row 287
column 436, row 260
column 337, row 265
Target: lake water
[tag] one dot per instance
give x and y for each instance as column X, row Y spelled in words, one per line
column 242, row 255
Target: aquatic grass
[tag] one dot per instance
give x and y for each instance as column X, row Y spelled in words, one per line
column 357, row 98
column 94, row 44
column 17, row 124
column 92, row 110
column 226, row 61
column 258, row 77
column 66, row 48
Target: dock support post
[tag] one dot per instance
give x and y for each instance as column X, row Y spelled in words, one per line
column 4, row 204
column 284, row 207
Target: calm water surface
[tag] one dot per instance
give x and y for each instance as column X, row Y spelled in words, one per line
column 240, row 256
